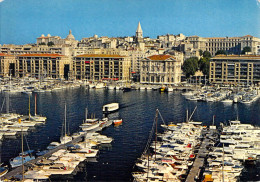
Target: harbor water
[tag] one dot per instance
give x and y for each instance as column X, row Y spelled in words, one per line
column 137, row 109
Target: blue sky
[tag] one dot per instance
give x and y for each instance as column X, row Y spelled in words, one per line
column 22, row 21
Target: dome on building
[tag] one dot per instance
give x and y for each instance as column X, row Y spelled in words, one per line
column 70, row 36
column 95, row 36
column 42, row 35
column 48, row 35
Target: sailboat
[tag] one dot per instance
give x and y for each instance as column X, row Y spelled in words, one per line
column 23, row 157
column 65, row 139
column 36, row 117
column 89, row 124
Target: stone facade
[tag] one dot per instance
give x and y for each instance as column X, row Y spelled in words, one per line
column 232, row 45
column 160, row 69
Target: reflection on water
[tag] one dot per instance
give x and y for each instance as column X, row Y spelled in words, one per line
column 137, row 109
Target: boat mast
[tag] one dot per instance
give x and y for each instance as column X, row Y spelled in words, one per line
column 19, row 120
column 35, row 105
column 29, row 109
column 223, row 164
column 7, row 95
column 86, row 113
column 156, row 120
column 187, row 116
column 65, row 121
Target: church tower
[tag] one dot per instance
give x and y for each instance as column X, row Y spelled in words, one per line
column 139, row 33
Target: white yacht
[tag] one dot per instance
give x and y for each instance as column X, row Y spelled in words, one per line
column 112, row 107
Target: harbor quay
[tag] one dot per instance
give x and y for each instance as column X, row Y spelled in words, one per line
column 142, row 91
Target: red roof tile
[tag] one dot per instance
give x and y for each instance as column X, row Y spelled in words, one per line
column 160, row 57
column 3, row 54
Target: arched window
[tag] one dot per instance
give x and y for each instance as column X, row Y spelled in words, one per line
column 162, row 79
column 152, row 78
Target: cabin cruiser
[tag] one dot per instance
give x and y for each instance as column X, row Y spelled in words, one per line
column 112, row 107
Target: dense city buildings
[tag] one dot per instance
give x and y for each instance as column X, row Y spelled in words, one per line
column 132, row 51
column 234, row 69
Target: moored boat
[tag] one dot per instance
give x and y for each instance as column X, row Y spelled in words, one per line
column 22, row 158
column 3, row 171
column 112, row 107
column 117, row 121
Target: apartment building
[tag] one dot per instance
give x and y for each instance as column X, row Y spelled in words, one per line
column 235, row 69
column 160, row 69
column 47, row 65
column 98, row 67
column 6, row 64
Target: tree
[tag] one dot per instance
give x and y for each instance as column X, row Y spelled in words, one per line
column 201, row 52
column 204, row 65
column 50, row 44
column 42, row 43
column 190, row 66
column 206, row 54
column 221, row 52
column 246, row 49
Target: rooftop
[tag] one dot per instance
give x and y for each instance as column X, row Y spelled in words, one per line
column 100, row 56
column 3, row 55
column 160, row 57
column 40, row 55
column 237, row 57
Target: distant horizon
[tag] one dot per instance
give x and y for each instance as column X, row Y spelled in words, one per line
column 22, row 22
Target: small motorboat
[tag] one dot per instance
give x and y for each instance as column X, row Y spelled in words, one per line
column 3, row 171
column 117, row 121
column 112, row 107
